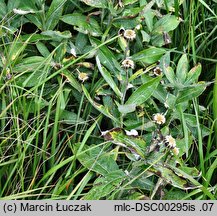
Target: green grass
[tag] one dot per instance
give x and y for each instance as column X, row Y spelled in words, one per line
column 62, row 137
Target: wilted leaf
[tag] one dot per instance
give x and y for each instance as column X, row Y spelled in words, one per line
column 170, row 177
column 133, row 143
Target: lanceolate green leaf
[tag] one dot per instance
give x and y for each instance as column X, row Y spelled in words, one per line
column 193, row 74
column 169, row 73
column 108, row 78
column 54, row 13
column 3, row 9
column 191, row 92
column 106, row 57
column 166, row 24
column 72, row 81
column 80, row 23
column 182, row 68
column 99, row 107
column 149, row 56
column 144, row 92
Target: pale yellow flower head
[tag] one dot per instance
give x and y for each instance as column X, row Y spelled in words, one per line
column 83, row 76
column 130, row 34
column 159, row 118
column 170, row 141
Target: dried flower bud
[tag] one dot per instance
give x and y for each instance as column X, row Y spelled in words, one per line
column 128, row 63
column 157, row 71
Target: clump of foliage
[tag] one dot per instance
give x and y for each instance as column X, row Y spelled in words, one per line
column 97, row 103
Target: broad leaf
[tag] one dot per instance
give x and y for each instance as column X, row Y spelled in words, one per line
column 193, row 74
column 169, row 73
column 54, row 13
column 105, row 185
column 149, row 56
column 166, row 24
column 144, row 92
column 190, row 92
column 57, row 35
column 97, row 160
column 182, row 68
column 170, row 177
column 135, row 144
column 126, row 108
column 83, row 24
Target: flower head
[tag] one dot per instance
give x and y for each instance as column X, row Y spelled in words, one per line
column 170, row 141
column 159, row 118
column 157, row 71
column 130, row 34
column 83, row 76
column 176, row 151
column 128, row 63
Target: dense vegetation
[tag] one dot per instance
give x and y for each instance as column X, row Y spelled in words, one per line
column 108, row 99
